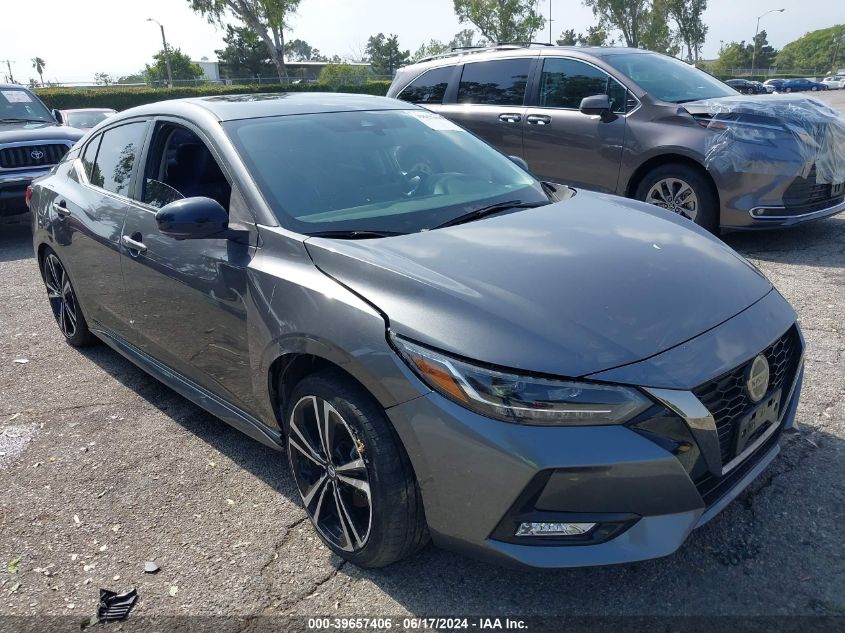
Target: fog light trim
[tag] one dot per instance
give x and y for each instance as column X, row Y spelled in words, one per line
column 554, row 529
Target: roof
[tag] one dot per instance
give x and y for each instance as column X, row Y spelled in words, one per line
column 250, row 106
column 8, row 86
column 460, row 55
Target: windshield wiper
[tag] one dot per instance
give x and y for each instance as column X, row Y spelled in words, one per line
column 477, row 214
column 14, row 120
column 354, row 234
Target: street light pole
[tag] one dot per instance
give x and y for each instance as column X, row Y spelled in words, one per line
column 166, row 52
column 756, row 33
column 550, row 22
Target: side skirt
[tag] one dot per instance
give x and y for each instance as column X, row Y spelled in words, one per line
column 200, row 396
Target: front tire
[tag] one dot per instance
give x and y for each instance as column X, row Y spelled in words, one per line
column 352, row 473
column 63, row 302
column 683, row 190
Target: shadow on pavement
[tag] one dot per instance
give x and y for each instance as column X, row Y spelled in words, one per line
column 820, row 243
column 15, row 241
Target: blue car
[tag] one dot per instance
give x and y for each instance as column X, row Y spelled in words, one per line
column 798, row 85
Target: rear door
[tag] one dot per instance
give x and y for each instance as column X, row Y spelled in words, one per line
column 562, row 144
column 87, row 213
column 490, row 101
column 188, row 297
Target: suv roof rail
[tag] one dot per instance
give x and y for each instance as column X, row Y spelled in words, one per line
column 457, row 51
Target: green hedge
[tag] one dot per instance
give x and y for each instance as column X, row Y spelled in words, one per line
column 123, row 98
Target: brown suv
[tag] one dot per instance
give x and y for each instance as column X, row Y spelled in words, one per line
column 643, row 125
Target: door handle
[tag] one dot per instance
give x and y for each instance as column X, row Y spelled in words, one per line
column 134, row 244
column 61, row 210
column 539, row 119
column 510, row 117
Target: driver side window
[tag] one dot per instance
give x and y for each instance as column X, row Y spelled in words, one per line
column 180, row 165
column 565, row 82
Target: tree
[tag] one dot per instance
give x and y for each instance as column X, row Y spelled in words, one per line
column 733, row 55
column 180, row 65
column 337, row 75
column 822, row 49
column 568, row 38
column 134, row 78
column 245, row 54
column 466, row 39
column 433, row 48
column 595, row 36
column 266, row 18
column 384, row 55
column 302, row 51
column 628, row 16
column 103, row 79
column 687, row 15
column 655, row 34
column 765, row 54
column 502, row 20
column 38, row 64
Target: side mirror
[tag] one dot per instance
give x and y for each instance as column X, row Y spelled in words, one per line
column 596, row 104
column 520, row 162
column 193, row 219
column 57, row 115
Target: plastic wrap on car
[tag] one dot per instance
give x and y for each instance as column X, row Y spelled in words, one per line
column 752, row 134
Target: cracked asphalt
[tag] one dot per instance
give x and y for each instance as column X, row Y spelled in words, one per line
column 102, row 468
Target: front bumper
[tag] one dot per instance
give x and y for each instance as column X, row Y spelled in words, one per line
column 13, row 186
column 480, row 477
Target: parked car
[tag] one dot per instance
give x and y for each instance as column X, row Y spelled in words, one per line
column 746, row 87
column 638, row 124
column 775, row 84
column 443, row 344
column 31, row 143
column 834, row 82
column 798, row 85
column 763, row 88
column 83, row 118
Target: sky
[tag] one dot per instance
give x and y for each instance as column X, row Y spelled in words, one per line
column 79, row 38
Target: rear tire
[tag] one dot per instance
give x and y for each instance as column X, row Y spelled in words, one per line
column 668, row 186
column 63, row 302
column 344, row 454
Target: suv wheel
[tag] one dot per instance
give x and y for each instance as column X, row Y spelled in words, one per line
column 354, row 478
column 63, row 302
column 683, row 190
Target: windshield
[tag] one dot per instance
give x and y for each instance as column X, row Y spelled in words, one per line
column 85, row 120
column 20, row 105
column 667, row 78
column 396, row 171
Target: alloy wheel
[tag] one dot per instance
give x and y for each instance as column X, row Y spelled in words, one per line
column 675, row 195
column 61, row 295
column 328, row 465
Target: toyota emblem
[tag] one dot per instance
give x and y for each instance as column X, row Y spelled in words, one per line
column 37, row 154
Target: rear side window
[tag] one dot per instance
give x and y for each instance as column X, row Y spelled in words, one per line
column 499, row 82
column 119, row 149
column 565, row 82
column 428, row 87
column 89, row 156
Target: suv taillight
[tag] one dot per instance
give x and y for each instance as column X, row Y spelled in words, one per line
column 28, row 195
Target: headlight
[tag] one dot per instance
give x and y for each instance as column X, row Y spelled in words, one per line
column 522, row 399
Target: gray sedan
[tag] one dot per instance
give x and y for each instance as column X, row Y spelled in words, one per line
column 444, row 346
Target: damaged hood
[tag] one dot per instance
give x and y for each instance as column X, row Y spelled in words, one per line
column 569, row 289
column 777, row 132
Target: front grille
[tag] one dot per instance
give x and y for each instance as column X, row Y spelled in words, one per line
column 726, row 397
column 713, row 488
column 32, row 155
column 805, row 192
